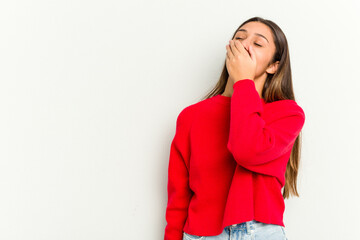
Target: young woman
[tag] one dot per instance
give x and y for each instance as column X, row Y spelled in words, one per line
column 235, row 150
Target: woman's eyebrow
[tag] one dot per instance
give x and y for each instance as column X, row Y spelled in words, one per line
column 244, row 30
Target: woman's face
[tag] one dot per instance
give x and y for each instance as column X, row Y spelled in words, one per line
column 259, row 36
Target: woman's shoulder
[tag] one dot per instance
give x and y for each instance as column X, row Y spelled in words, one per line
column 189, row 112
column 191, row 109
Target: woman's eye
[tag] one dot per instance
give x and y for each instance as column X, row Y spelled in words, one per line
column 255, row 43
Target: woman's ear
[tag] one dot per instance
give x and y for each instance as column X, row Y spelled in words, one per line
column 272, row 68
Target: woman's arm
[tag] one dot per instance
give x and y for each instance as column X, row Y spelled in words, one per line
column 179, row 192
column 253, row 141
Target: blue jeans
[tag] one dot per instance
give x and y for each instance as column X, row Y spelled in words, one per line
column 251, row 230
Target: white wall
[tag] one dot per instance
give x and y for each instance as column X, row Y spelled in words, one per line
column 90, row 92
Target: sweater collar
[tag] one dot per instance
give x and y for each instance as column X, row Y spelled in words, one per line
column 226, row 100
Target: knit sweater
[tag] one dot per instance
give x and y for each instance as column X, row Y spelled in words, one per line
column 228, row 160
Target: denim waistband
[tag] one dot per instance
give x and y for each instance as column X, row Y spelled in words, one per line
column 248, row 226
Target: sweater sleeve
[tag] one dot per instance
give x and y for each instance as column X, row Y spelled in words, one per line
column 253, row 142
column 179, row 192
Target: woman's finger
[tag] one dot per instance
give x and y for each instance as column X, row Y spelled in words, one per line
column 234, row 49
column 239, row 46
column 229, row 53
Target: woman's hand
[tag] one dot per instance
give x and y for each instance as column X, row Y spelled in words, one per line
column 239, row 63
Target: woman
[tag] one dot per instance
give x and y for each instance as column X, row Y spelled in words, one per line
column 235, row 150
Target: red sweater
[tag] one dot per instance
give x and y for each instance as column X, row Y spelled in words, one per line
column 228, row 160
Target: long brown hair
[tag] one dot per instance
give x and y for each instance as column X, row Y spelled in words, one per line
column 277, row 86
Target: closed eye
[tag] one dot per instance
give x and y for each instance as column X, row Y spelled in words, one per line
column 255, row 43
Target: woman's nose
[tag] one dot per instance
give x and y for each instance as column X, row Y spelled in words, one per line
column 245, row 43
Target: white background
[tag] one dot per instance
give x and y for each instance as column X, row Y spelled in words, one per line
column 90, row 92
